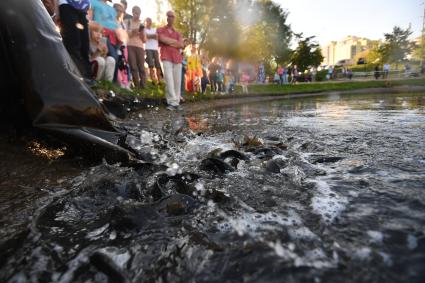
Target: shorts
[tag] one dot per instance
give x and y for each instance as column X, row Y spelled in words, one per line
column 152, row 58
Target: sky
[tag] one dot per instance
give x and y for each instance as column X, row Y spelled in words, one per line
column 148, row 7
column 332, row 20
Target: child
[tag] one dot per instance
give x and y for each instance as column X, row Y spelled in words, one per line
column 204, row 79
column 229, row 81
column 244, row 82
column 220, row 80
column 104, row 66
column 194, row 70
column 276, row 78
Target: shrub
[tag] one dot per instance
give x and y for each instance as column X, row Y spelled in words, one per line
column 321, row 75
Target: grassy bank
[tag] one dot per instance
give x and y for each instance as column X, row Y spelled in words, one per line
column 158, row 92
column 331, row 86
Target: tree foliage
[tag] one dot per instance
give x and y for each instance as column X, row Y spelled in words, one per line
column 193, row 17
column 224, row 33
column 252, row 30
column 371, row 56
column 276, row 30
column 397, row 46
column 307, row 54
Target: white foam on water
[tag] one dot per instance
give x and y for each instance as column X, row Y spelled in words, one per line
column 301, row 233
column 312, row 258
column 68, row 213
column 295, row 173
column 254, row 223
column 73, row 266
column 148, row 138
column 412, row 242
column 279, row 156
column 242, row 171
column 315, row 258
column 196, row 256
column 198, row 147
column 173, row 169
column 286, row 253
column 362, row 253
column 96, row 233
column 386, row 258
column 375, row 236
column 327, row 203
column 113, row 235
column 200, row 187
column 119, row 256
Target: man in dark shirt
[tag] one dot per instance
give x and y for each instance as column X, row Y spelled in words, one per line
column 212, row 73
column 126, row 15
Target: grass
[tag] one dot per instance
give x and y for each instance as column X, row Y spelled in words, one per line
column 330, row 86
column 158, row 92
column 150, row 91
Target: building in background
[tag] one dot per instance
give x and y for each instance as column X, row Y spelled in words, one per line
column 345, row 50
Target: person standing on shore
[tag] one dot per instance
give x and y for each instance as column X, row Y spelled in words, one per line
column 386, row 69
column 170, row 43
column 376, row 73
column 126, row 15
column 75, row 34
column 152, row 55
column 136, row 48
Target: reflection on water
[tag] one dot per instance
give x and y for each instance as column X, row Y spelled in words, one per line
column 325, row 189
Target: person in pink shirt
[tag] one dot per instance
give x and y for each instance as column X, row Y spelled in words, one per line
column 244, row 81
column 170, row 43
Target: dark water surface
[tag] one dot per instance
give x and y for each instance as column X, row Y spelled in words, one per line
column 322, row 189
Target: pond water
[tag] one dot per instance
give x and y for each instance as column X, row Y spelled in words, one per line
column 321, row 189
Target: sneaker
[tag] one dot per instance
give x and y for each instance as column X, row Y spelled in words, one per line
column 171, row 107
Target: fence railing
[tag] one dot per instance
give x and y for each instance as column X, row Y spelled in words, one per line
column 381, row 74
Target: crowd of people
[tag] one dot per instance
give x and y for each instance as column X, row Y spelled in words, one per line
column 107, row 43
column 291, row 75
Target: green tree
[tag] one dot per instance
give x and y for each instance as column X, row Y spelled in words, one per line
column 193, row 17
column 223, row 32
column 277, row 32
column 267, row 38
column 207, row 22
column 396, row 46
column 253, row 30
column 371, row 55
column 307, row 54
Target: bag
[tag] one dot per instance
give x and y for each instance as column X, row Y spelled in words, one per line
column 121, row 61
column 122, row 65
column 82, row 5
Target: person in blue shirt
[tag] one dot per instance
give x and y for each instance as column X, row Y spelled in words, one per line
column 104, row 14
